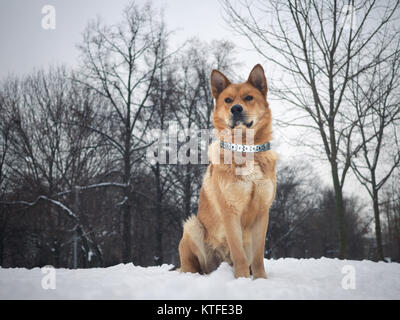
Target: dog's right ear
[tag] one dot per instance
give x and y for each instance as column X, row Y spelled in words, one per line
column 218, row 83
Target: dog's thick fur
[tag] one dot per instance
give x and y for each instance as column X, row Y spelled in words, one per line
column 233, row 212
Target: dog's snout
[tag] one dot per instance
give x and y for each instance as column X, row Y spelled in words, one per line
column 236, row 109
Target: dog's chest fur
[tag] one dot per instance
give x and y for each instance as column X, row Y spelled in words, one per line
column 249, row 192
column 247, row 195
column 250, row 186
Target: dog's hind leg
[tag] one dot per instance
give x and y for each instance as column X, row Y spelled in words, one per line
column 191, row 247
column 189, row 260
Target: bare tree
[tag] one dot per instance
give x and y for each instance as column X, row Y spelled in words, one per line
column 303, row 219
column 314, row 45
column 390, row 209
column 45, row 157
column 5, row 137
column 294, row 203
column 378, row 91
column 119, row 62
column 195, row 104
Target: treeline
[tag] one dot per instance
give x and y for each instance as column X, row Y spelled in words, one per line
column 77, row 188
column 50, row 144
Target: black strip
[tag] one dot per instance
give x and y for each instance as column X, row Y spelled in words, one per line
column 199, row 309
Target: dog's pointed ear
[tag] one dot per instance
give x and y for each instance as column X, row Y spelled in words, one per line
column 218, row 83
column 258, row 80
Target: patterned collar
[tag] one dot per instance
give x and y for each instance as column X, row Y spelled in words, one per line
column 245, row 147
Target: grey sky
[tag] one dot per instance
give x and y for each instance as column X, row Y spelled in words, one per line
column 26, row 45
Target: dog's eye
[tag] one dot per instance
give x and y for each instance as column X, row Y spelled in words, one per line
column 248, row 98
column 228, row 100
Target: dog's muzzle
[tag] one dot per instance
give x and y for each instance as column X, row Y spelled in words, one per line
column 238, row 116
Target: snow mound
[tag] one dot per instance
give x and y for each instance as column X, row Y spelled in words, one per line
column 287, row 279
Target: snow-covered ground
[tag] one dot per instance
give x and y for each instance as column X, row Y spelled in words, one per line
column 287, row 279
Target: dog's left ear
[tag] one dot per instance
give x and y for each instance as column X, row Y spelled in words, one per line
column 258, row 80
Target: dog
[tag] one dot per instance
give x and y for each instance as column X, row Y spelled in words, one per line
column 233, row 209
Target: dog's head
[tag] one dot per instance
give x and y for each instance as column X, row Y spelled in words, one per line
column 241, row 106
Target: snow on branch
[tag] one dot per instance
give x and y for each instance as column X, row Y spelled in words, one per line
column 79, row 227
column 97, row 185
column 42, row 197
column 121, row 203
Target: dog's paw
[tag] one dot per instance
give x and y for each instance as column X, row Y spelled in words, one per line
column 242, row 272
column 260, row 274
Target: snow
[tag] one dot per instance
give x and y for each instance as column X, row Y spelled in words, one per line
column 288, row 278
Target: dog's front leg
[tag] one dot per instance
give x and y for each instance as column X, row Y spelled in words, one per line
column 259, row 233
column 234, row 236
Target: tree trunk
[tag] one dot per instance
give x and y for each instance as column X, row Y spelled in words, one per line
column 1, row 250
column 160, row 218
column 339, row 207
column 188, row 192
column 126, row 214
column 378, row 231
column 57, row 255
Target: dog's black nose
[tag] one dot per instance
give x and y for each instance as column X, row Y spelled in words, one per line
column 236, row 109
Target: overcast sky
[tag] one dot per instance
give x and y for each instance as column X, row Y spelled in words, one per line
column 26, row 45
